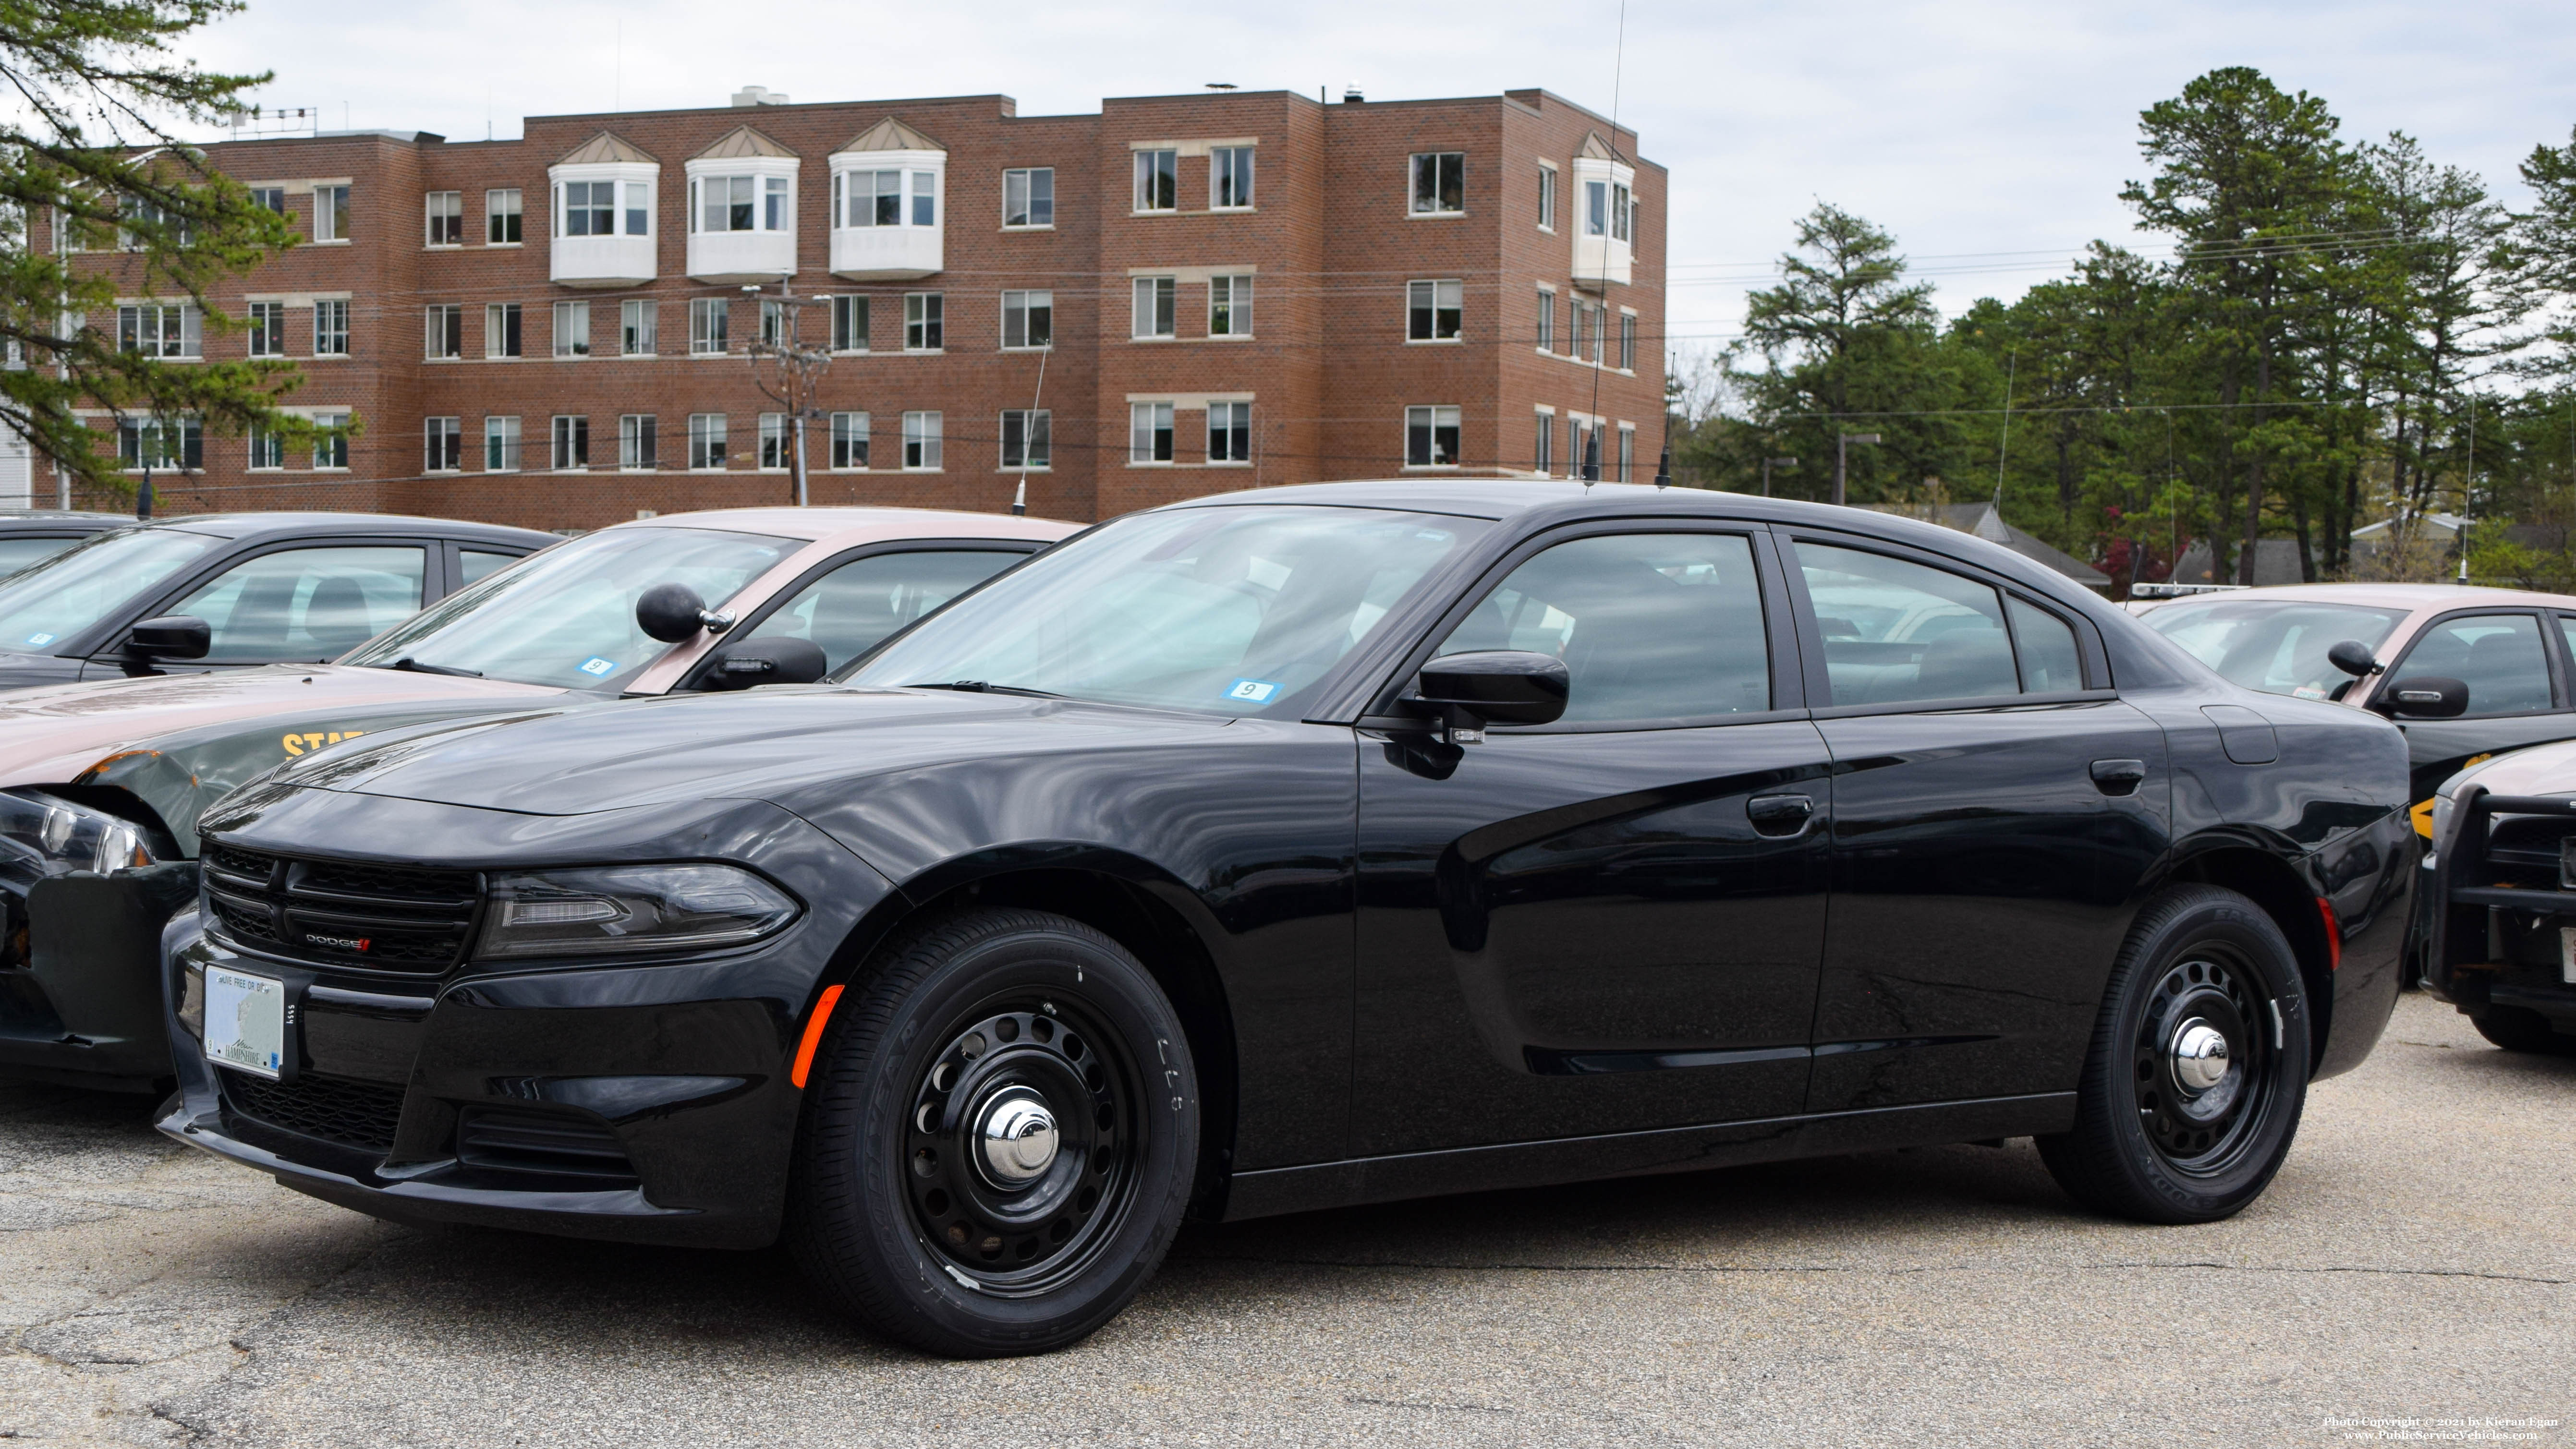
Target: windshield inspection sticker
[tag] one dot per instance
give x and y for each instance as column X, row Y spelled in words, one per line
column 598, row 668
column 40, row 640
column 1252, row 691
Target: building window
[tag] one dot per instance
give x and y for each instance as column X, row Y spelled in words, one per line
column 586, row 208
column 268, row 329
column 1607, row 210
column 1154, row 307
column 638, row 326
column 442, row 330
column 442, row 444
column 921, row 442
column 1230, row 178
column 868, row 198
column 501, row 217
column 775, row 449
column 501, row 329
column 330, row 213
column 1431, row 437
column 1439, row 183
column 572, row 443
column 267, row 450
column 1431, row 311
column 160, row 443
column 159, row 331
column 1546, row 320
column 849, row 440
column 1229, row 432
column 638, row 442
column 1627, row 451
column 773, row 324
column 706, row 440
column 1149, row 433
column 500, row 445
column 925, row 199
column 1028, row 319
column 921, row 322
column 1543, row 456
column 1627, row 342
column 446, row 218
column 1027, row 439
column 1583, row 434
column 271, row 197
column 707, row 324
column 1547, row 198
column 331, row 328
column 1158, row 181
column 1230, row 306
column 1582, row 330
column 739, row 203
column 572, row 329
column 1623, row 213
column 849, row 324
column 1028, row 197
column 331, row 450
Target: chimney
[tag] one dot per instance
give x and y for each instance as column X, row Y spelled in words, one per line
column 1351, row 94
column 759, row 96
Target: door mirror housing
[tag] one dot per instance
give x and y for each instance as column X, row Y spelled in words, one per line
column 2424, row 696
column 1497, row 686
column 674, row 613
column 171, row 636
column 746, row 662
column 2354, row 658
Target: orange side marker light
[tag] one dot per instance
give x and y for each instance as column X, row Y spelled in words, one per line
column 814, row 1034
column 2325, row 908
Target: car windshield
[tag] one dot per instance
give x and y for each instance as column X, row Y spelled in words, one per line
column 2274, row 645
column 63, row 595
column 566, row 616
column 1231, row 610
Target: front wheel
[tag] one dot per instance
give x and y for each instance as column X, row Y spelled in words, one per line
column 998, row 1137
column 2198, row 1068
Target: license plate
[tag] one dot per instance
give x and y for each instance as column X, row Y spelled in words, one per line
column 245, row 1021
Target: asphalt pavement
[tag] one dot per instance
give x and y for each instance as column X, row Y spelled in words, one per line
column 2407, row 1279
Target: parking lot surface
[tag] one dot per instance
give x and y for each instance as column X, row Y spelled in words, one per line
column 2415, row 1261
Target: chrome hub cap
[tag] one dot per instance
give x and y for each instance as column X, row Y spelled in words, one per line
column 1018, row 1137
column 2199, row 1055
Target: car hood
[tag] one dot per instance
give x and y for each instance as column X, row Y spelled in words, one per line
column 2541, row 770
column 771, row 744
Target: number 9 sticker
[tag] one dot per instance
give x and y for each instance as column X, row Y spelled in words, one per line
column 1252, row 691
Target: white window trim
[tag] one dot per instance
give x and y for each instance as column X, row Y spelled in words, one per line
column 1013, row 470
column 762, row 169
column 454, row 246
column 903, row 440
column 1002, row 321
column 1174, row 404
column 1006, row 199
column 1555, row 197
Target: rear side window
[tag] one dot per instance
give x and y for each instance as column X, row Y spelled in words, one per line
column 474, row 564
column 2497, row 655
column 17, row 553
column 1897, row 631
column 306, row 603
column 2050, row 662
column 1651, row 626
column 850, row 610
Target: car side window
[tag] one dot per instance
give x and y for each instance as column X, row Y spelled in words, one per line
column 306, row 603
column 474, row 563
column 17, row 553
column 1896, row 632
column 854, row 607
column 1651, row 626
column 2498, row 656
column 2050, row 662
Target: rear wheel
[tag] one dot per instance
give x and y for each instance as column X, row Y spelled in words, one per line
column 998, row 1137
column 2198, row 1068
column 2518, row 1029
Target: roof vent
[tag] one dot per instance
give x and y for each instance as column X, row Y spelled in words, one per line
column 759, row 96
column 1351, row 94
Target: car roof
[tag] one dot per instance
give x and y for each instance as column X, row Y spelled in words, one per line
column 55, row 520
column 2411, row 597
column 845, row 527
column 254, row 525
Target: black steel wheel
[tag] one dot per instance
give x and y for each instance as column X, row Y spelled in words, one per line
column 2520, row 1029
column 2192, row 1090
column 998, row 1136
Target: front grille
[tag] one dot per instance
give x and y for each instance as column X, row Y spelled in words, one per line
column 354, row 1114
column 351, row 914
column 517, row 1141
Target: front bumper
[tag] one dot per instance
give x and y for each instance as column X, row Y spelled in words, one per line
column 2494, row 935
column 83, row 1005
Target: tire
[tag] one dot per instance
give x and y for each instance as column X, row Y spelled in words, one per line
column 2517, row 1029
column 2154, row 1139
column 909, row 1218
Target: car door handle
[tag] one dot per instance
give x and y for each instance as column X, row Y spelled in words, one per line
column 2119, row 777
column 1779, row 814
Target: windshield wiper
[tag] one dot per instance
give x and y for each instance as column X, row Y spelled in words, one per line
column 977, row 686
column 414, row 666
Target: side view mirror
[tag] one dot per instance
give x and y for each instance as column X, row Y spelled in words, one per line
column 172, row 636
column 2424, row 696
column 1497, row 686
column 673, row 613
column 2354, row 658
column 746, row 662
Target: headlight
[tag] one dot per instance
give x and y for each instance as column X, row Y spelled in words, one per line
column 629, row 908
column 41, row 835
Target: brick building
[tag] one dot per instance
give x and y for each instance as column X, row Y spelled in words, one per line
column 1176, row 296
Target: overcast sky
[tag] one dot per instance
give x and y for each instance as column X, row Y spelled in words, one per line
column 1991, row 136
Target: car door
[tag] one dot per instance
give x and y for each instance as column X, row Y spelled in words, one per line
column 1613, row 922
column 2518, row 694
column 1995, row 805
column 302, row 604
column 851, row 603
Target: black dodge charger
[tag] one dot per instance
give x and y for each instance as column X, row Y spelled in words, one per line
column 1304, row 847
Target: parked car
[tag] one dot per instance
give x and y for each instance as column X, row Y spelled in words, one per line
column 2500, row 931
column 234, row 589
column 29, row 538
column 1303, row 847
column 2506, row 647
column 101, row 783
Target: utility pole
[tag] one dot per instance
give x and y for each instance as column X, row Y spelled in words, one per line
column 1767, row 465
column 798, row 373
column 1842, row 448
